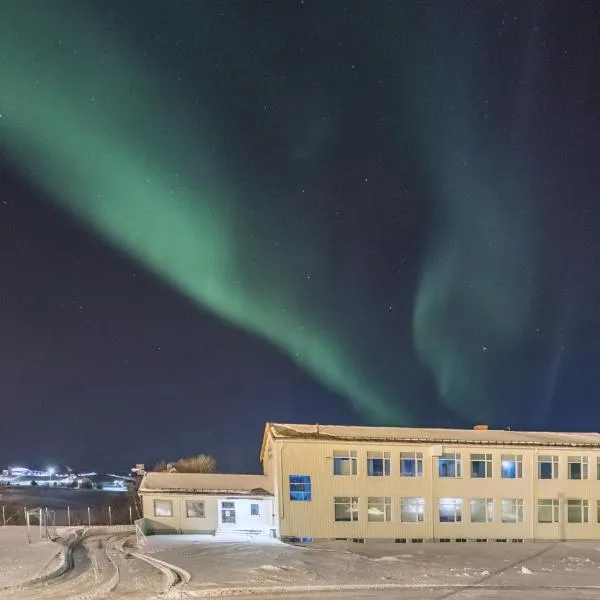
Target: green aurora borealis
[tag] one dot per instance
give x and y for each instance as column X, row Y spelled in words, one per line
column 94, row 123
column 80, row 131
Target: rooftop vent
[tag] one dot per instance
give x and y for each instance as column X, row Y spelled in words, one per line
column 481, row 428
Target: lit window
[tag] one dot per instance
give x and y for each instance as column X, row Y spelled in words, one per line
column 482, row 510
column 548, row 467
column 411, row 464
column 449, row 465
column 511, row 510
column 577, row 511
column 346, row 508
column 481, row 465
column 254, row 510
column 450, row 510
column 194, row 509
column 300, row 488
column 378, row 464
column 163, row 508
column 379, row 509
column 412, row 510
column 547, row 511
column 344, row 462
column 578, row 467
column 512, row 466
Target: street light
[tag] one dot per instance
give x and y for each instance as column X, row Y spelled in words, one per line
column 51, row 472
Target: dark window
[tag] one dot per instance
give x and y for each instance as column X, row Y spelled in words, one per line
column 300, row 488
column 254, row 510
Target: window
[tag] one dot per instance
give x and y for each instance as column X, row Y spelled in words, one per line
column 379, row 509
column 547, row 511
column 194, row 509
column 511, row 510
column 300, row 488
column 598, row 511
column 378, row 464
column 598, row 470
column 163, row 508
column 255, row 510
column 450, row 510
column 411, row 510
column 482, row 510
column 481, row 465
column 449, row 465
column 578, row 467
column 346, row 508
column 344, row 462
column 411, row 464
column 577, row 511
column 547, row 467
column 512, row 466
column 228, row 512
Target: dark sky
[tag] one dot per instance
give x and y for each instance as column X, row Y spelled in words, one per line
column 215, row 214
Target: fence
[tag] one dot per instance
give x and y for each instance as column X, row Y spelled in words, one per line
column 70, row 516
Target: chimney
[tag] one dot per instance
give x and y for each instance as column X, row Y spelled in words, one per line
column 480, row 427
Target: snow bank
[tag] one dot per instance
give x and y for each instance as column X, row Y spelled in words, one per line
column 21, row 562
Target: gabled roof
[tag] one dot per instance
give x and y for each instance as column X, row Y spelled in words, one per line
column 206, row 483
column 281, row 431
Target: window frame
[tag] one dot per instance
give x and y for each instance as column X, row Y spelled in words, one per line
column 583, row 463
column 352, row 503
column 487, row 461
column 488, row 507
column 549, row 503
column 163, row 501
column 187, row 509
column 417, row 459
column 551, row 460
column 386, row 463
column 345, row 457
column 450, row 457
column 419, row 508
column 519, row 512
column 584, row 508
column 382, row 501
column 457, row 503
column 514, row 459
column 296, row 482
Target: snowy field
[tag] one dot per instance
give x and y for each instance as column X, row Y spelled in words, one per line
column 20, row 561
column 106, row 563
column 423, row 567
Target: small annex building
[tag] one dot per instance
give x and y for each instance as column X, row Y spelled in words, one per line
column 209, row 503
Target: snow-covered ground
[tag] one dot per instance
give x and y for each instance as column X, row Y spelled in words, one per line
column 20, row 561
column 268, row 563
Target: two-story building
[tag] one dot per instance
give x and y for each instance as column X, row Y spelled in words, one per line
column 409, row 484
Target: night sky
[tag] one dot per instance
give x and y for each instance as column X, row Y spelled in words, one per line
column 214, row 214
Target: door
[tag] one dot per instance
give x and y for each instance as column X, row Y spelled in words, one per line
column 227, row 514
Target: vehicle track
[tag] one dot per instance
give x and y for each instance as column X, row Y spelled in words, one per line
column 101, row 566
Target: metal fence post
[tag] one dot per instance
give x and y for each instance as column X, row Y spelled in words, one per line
column 3, row 516
column 109, row 516
column 130, row 516
column 69, row 515
column 89, row 517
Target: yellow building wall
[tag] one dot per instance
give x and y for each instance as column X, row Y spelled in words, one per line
column 179, row 522
column 315, row 519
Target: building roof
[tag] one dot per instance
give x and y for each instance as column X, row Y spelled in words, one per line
column 500, row 437
column 206, row 483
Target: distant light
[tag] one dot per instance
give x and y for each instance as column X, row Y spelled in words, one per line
column 51, row 470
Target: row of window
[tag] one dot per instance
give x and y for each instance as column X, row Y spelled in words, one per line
column 379, row 464
column 194, row 509
column 450, row 510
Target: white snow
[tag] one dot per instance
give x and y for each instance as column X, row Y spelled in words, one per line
column 525, row 570
column 20, row 561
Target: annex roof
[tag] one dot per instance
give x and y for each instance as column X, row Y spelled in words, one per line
column 281, row 431
column 206, row 483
